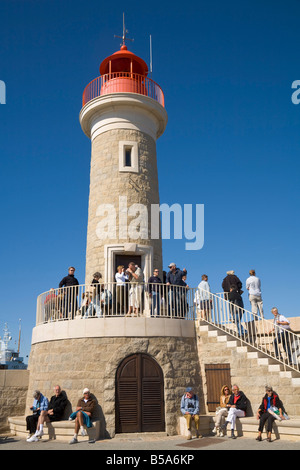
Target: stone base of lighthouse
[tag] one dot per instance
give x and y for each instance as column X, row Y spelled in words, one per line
column 130, row 365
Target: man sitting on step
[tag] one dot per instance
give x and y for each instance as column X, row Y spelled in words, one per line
column 190, row 409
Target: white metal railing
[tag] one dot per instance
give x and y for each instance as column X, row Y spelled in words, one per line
column 252, row 329
column 111, row 299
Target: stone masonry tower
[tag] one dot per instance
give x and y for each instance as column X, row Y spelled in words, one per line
column 137, row 367
column 123, row 114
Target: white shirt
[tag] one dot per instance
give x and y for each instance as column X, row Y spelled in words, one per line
column 281, row 318
column 253, row 285
column 204, row 286
column 121, row 278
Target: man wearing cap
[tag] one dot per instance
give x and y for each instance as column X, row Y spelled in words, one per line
column 190, row 409
column 174, row 280
column 84, row 411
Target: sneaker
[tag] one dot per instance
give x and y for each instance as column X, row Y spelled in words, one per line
column 39, row 433
column 33, row 439
column 83, row 432
column 28, row 437
column 73, row 441
column 221, row 433
column 214, row 431
column 189, row 436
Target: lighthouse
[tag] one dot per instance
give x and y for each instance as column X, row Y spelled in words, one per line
column 137, row 367
column 123, row 114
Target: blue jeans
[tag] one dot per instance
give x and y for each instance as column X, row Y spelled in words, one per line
column 155, row 303
column 174, row 301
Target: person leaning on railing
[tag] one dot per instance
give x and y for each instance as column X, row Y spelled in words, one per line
column 136, row 279
column 121, row 289
column 71, row 283
column 154, row 291
column 281, row 330
column 253, row 285
column 94, row 306
column 231, row 280
column 174, row 280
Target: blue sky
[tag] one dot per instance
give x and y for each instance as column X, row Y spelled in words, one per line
column 231, row 143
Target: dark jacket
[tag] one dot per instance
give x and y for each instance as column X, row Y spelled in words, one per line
column 88, row 406
column 234, row 296
column 176, row 278
column 69, row 280
column 231, row 280
column 241, row 403
column 98, row 287
column 58, row 405
column 275, row 401
column 154, row 280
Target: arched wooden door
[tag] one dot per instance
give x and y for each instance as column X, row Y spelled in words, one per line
column 139, row 395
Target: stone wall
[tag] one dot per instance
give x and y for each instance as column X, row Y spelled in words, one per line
column 107, row 183
column 78, row 363
column 248, row 373
column 13, row 392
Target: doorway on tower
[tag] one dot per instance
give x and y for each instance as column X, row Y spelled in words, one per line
column 124, row 260
column 139, row 395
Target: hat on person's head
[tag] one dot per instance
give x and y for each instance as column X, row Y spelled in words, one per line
column 86, row 390
column 230, row 272
column 189, row 389
column 171, row 264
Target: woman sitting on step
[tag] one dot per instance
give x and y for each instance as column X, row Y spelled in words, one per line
column 270, row 400
column 222, row 410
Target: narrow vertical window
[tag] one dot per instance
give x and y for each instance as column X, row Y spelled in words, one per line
column 127, row 156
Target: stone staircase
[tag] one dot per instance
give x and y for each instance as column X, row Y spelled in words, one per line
column 251, row 369
column 251, row 353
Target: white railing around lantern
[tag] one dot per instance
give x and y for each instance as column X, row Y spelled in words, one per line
column 110, row 299
column 118, row 82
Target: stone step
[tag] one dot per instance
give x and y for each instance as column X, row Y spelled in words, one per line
column 296, row 382
column 60, row 430
column 248, row 426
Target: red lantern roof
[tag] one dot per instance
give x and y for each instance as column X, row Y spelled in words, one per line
column 124, row 61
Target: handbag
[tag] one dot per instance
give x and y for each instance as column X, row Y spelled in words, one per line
column 274, row 412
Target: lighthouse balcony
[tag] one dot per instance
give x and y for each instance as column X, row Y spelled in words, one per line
column 111, row 299
column 122, row 82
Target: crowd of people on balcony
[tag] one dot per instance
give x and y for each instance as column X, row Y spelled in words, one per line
column 165, row 294
column 124, row 296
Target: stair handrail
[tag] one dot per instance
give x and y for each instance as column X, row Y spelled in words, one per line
column 248, row 327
